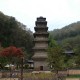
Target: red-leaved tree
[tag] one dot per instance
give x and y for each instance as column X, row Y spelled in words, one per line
column 12, row 55
column 11, row 51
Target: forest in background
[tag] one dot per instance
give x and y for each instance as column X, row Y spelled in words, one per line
column 14, row 33
column 68, row 35
column 64, row 51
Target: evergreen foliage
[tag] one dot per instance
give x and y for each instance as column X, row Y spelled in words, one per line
column 14, row 33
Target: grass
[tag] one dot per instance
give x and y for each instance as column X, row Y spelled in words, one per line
column 8, row 78
column 73, row 76
column 39, row 75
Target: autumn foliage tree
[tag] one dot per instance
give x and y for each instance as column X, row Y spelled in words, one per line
column 11, row 54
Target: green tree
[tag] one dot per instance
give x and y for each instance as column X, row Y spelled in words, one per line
column 77, row 55
column 15, row 33
column 55, row 56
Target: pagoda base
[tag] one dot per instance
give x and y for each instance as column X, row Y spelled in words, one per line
column 40, row 66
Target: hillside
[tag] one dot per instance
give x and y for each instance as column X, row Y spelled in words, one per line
column 13, row 32
column 69, row 34
column 71, row 30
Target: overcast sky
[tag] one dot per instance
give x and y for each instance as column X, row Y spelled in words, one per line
column 58, row 13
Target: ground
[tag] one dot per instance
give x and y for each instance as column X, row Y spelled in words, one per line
column 73, row 79
column 8, row 78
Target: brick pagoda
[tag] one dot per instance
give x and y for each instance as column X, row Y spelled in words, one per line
column 40, row 44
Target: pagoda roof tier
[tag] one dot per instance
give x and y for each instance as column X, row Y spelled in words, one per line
column 41, row 33
column 41, row 40
column 34, row 50
column 40, row 28
column 40, row 48
column 39, row 57
column 41, row 20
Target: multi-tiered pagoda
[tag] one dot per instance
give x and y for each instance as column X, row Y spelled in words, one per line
column 41, row 44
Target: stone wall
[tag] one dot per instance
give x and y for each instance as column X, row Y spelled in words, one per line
column 73, row 72
column 70, row 72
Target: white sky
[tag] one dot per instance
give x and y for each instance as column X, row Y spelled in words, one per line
column 58, row 13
